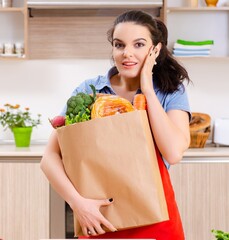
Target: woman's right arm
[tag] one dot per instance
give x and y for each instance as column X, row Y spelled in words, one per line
column 52, row 165
column 87, row 210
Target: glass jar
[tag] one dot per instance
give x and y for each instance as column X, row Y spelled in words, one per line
column 8, row 48
column 1, row 48
column 6, row 3
column 19, row 48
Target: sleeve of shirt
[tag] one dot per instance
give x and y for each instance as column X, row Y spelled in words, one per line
column 179, row 101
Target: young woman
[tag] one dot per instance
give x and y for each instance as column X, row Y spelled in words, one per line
column 142, row 63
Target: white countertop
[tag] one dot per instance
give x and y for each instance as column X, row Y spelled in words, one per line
column 207, row 152
column 10, row 150
column 37, row 150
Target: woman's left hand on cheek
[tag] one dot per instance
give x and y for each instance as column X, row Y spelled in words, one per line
column 147, row 69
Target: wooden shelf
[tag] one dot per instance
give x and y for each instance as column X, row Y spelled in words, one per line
column 12, row 9
column 182, row 9
column 93, row 4
column 12, row 58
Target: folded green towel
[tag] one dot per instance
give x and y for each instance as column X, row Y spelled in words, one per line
column 199, row 43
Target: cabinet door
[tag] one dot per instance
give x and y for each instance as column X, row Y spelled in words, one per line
column 24, row 202
column 202, row 193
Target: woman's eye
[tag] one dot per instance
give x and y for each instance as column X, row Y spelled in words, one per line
column 119, row 45
column 139, row 44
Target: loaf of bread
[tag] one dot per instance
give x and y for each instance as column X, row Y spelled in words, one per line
column 107, row 105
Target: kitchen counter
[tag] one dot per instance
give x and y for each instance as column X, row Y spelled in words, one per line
column 36, row 151
column 11, row 151
column 207, row 152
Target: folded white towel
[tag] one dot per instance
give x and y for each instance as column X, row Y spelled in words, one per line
column 191, row 51
column 190, row 55
column 202, row 47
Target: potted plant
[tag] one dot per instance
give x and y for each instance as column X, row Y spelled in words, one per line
column 20, row 122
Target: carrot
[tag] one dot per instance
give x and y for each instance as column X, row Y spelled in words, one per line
column 139, row 102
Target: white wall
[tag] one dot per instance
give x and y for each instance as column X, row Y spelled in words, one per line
column 209, row 91
column 45, row 85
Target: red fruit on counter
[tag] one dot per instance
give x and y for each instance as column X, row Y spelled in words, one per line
column 57, row 121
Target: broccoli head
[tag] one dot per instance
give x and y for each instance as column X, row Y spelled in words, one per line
column 78, row 106
column 88, row 99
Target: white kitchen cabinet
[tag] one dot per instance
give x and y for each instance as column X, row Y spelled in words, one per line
column 13, row 25
column 198, row 23
column 202, row 192
column 24, row 202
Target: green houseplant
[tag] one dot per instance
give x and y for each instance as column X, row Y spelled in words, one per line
column 20, row 122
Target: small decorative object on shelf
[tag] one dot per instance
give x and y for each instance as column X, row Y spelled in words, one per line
column 12, row 50
column 1, row 52
column 20, row 122
column 193, row 3
column 19, row 48
column 6, row 3
column 8, row 48
column 211, row 3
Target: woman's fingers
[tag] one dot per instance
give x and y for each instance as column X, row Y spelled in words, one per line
column 93, row 222
column 91, row 231
column 152, row 55
column 108, row 225
column 105, row 222
column 105, row 202
column 85, row 231
column 99, row 229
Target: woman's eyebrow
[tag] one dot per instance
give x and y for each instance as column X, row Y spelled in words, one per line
column 136, row 40
column 139, row 39
column 116, row 39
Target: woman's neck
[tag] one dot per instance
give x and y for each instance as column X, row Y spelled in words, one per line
column 127, row 84
column 125, row 88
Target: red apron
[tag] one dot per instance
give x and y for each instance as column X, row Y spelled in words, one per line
column 167, row 230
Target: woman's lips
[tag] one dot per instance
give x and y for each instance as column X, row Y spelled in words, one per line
column 129, row 64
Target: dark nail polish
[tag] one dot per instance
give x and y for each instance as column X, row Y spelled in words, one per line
column 110, row 199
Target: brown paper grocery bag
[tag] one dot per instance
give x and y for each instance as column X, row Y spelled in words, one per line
column 114, row 157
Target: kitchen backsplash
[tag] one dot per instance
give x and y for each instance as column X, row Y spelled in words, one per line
column 45, row 85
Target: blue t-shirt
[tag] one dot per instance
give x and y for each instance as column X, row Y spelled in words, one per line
column 177, row 100
column 170, row 101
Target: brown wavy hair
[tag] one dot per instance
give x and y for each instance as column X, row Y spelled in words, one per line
column 168, row 73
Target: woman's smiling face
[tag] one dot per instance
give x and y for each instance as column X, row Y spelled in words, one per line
column 131, row 45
